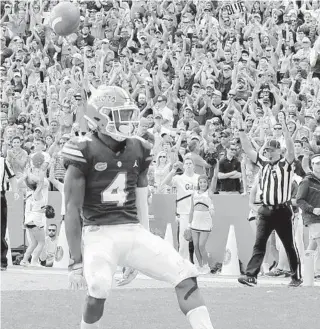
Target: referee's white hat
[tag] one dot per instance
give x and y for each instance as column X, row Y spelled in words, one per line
column 273, row 144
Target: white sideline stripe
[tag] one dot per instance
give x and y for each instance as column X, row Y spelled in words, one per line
column 203, row 279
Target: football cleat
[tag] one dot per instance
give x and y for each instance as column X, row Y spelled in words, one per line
column 247, row 280
column 111, row 111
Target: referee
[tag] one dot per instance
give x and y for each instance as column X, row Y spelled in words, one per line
column 5, row 172
column 275, row 213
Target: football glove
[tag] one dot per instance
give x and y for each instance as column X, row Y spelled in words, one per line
column 129, row 274
column 75, row 277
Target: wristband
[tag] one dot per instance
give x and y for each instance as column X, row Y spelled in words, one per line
column 241, row 129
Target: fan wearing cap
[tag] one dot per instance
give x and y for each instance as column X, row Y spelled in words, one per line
column 315, row 59
column 158, row 129
column 242, row 90
column 5, row 51
column 224, row 80
column 195, row 93
column 276, row 177
column 308, row 199
column 80, row 110
column 211, row 105
column 76, row 60
column 187, row 121
column 38, row 132
column 309, row 119
column 161, row 108
column 278, row 134
column 315, row 141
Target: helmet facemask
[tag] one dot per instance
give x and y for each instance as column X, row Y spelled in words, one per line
column 120, row 123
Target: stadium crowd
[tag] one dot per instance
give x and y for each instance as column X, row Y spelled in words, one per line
column 194, row 68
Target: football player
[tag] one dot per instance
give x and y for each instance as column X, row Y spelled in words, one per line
column 106, row 194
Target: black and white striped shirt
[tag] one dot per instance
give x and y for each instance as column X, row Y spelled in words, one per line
column 5, row 172
column 275, row 181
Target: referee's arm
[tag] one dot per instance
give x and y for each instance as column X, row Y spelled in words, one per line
column 290, row 155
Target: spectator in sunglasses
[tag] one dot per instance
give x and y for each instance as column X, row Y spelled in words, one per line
column 48, row 253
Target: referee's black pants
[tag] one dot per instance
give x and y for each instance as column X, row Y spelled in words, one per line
column 279, row 220
column 4, row 245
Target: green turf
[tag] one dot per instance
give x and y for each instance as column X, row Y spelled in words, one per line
column 230, row 308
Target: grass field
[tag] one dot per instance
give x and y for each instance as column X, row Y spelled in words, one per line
column 38, row 299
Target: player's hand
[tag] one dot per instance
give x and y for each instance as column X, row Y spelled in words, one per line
column 75, row 277
column 129, row 274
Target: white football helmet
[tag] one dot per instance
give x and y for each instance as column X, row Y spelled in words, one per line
column 111, row 111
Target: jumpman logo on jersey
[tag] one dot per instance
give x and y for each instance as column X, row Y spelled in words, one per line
column 135, row 164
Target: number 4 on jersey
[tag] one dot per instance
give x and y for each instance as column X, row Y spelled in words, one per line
column 115, row 192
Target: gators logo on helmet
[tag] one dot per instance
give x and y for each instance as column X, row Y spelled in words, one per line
column 111, row 111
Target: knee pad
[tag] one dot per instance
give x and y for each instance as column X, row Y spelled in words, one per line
column 99, row 287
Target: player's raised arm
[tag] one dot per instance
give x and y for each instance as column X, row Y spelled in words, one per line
column 74, row 189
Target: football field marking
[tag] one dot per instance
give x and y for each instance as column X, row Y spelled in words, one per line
column 19, row 278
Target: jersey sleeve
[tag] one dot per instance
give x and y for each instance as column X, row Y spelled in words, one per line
column 74, row 153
